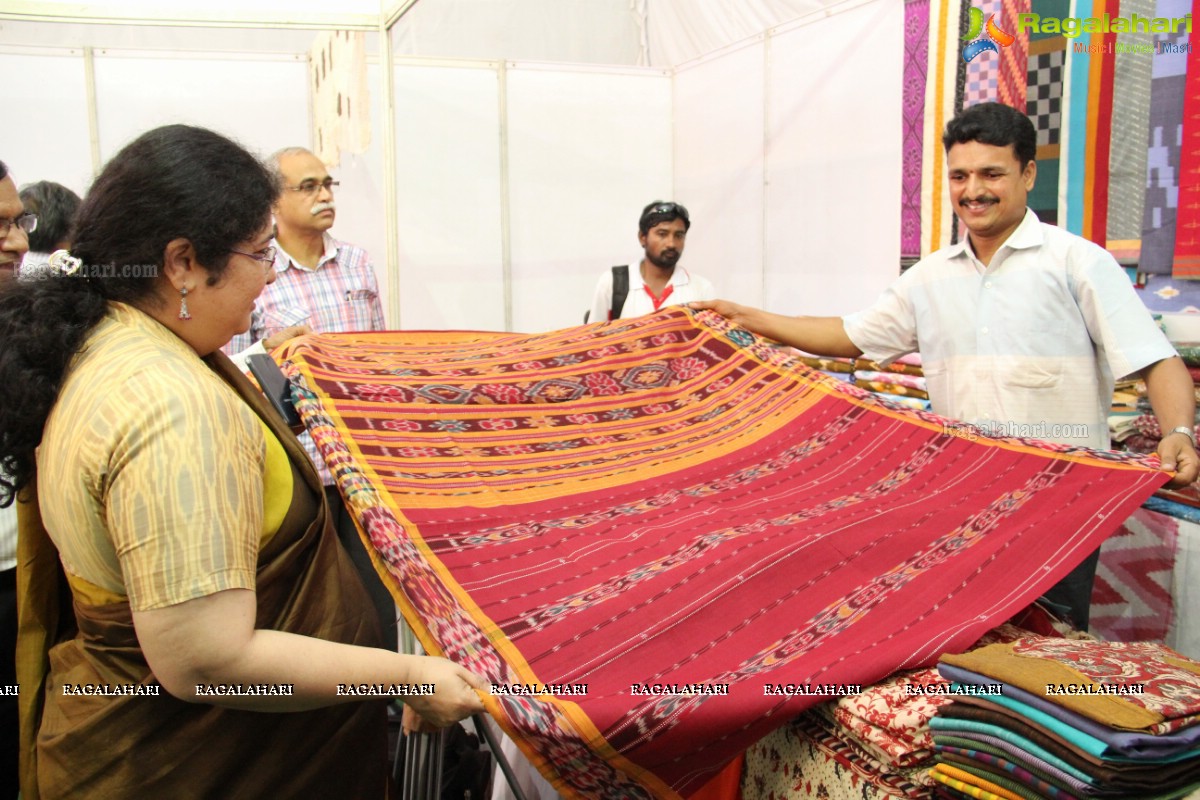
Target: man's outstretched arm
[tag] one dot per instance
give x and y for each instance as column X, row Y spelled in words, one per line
column 821, row 336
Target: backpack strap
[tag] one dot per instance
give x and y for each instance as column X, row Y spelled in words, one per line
column 620, row 290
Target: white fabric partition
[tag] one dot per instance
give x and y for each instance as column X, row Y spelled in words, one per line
column 519, row 183
column 586, row 151
column 681, row 30
column 449, row 197
column 787, row 151
column 833, row 153
column 566, row 31
column 136, row 91
column 719, row 169
column 48, row 106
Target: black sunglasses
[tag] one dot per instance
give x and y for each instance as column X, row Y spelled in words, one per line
column 669, row 208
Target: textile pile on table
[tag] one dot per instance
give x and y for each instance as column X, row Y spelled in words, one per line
column 875, row 744
column 684, row 520
column 1071, row 720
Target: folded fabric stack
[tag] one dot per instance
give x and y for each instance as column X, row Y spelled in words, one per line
column 840, row 368
column 874, row 745
column 1069, row 719
column 902, row 381
column 1136, row 429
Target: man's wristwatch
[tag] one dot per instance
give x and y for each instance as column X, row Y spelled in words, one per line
column 1186, row 431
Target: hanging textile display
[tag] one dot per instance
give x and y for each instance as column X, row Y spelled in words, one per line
column 916, row 58
column 341, row 108
column 945, row 47
column 1014, row 57
column 661, row 538
column 1187, row 225
column 1130, row 121
column 1167, row 93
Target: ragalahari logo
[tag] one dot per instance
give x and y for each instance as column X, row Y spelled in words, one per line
column 992, row 36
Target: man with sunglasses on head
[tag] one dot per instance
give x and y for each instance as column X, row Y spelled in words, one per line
column 657, row 280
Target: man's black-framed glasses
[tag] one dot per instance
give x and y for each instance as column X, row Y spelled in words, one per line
column 26, row 222
column 311, row 187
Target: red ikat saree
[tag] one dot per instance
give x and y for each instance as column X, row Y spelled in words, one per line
column 671, row 500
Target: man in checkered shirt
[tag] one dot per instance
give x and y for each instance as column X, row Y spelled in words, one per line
column 322, row 285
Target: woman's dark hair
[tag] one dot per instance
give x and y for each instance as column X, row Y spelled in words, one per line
column 995, row 124
column 174, row 182
column 55, row 206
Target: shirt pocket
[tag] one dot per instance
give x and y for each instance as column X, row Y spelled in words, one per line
column 359, row 305
column 1037, row 359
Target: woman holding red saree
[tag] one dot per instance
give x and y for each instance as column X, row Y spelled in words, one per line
column 177, row 577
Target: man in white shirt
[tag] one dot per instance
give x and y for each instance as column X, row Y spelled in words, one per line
column 1022, row 328
column 657, row 280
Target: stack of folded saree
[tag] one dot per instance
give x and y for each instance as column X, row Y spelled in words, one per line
column 840, row 368
column 875, row 744
column 1069, row 719
column 901, row 381
column 1131, row 422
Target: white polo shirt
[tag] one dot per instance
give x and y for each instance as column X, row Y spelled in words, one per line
column 1028, row 346
column 684, row 287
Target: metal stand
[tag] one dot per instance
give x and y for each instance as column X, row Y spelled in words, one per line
column 417, row 762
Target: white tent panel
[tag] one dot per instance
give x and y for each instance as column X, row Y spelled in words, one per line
column 449, row 196
column 139, row 91
column 681, row 30
column 566, row 31
column 587, row 150
column 47, row 137
column 224, row 12
column 164, row 38
column 834, row 161
column 719, row 169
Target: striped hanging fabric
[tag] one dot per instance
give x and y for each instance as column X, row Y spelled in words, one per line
column 1187, row 225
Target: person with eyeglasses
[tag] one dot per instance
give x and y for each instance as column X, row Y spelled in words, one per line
column 15, row 226
column 656, row 280
column 55, row 206
column 188, row 620
column 322, row 285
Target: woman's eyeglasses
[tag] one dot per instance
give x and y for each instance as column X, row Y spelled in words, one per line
column 266, row 256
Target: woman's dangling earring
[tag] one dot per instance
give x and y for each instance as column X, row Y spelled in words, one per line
column 183, row 309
